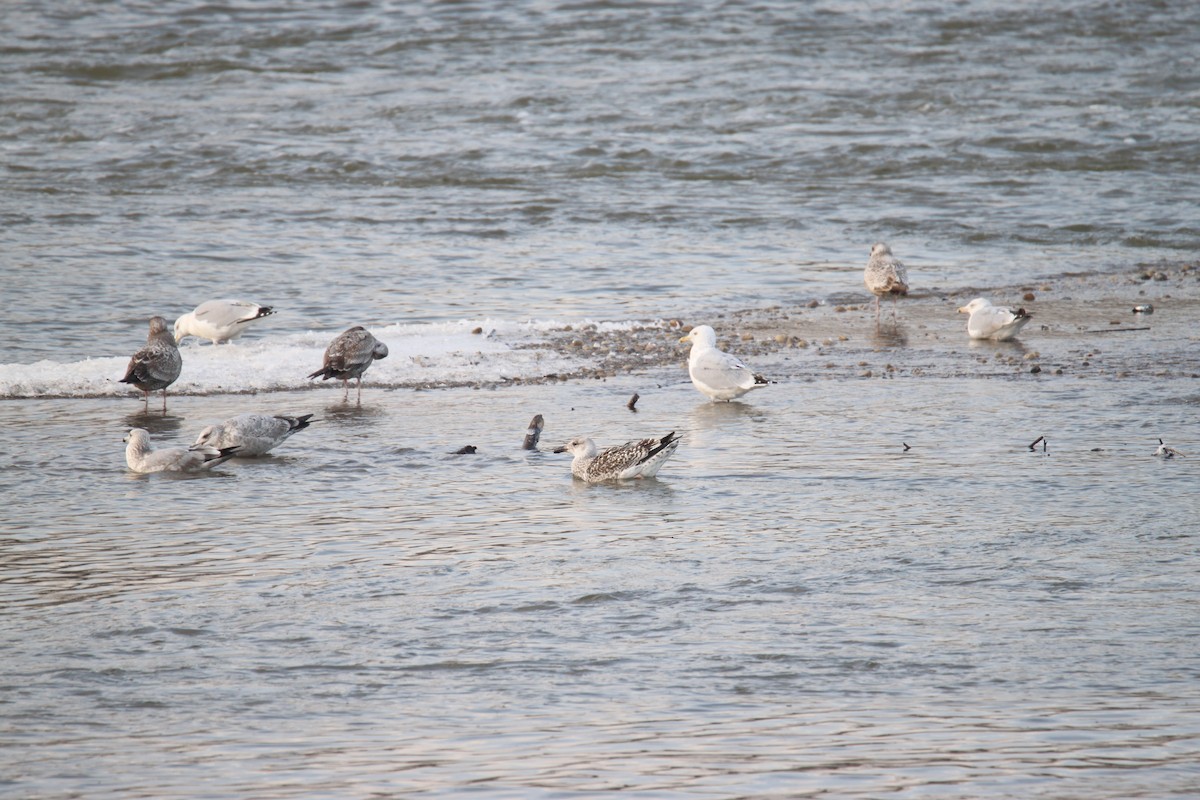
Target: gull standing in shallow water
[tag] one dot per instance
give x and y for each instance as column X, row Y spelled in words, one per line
column 639, row 459
column 718, row 375
column 219, row 320
column 349, row 355
column 141, row 458
column 251, row 434
column 1166, row 451
column 885, row 275
column 157, row 365
column 993, row 322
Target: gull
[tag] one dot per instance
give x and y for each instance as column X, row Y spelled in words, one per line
column 638, row 459
column 1165, row 451
column 349, row 355
column 716, row 374
column 219, row 320
column 252, row 434
column 157, row 365
column 141, row 458
column 885, row 275
column 993, row 322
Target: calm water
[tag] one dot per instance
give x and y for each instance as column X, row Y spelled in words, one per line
column 796, row 607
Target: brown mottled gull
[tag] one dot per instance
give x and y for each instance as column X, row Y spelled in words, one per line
column 349, row 355
column 885, row 275
column 157, row 365
column 638, row 459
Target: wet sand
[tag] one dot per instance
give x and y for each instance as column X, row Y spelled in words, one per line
column 1083, row 326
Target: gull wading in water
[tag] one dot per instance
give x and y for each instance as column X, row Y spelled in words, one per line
column 718, row 375
column 251, row 434
column 349, row 355
column 885, row 275
column 1166, row 451
column 639, row 459
column 993, row 322
column 219, row 320
column 141, row 458
column 157, row 365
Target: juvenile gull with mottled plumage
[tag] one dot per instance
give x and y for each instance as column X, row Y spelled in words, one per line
column 885, row 275
column 252, row 434
column 157, row 365
column 142, row 458
column 349, row 355
column 638, row 459
column 219, row 320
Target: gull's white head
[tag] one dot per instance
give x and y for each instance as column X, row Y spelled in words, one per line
column 974, row 305
column 139, row 437
column 579, row 446
column 880, row 249
column 703, row 335
column 208, row 436
column 183, row 327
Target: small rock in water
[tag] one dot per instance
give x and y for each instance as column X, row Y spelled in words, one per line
column 465, row 450
column 1145, row 308
column 631, row 405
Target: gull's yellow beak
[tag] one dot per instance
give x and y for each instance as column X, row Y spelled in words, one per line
column 962, row 310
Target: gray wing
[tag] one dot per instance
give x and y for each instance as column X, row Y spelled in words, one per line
column 224, row 313
column 721, row 371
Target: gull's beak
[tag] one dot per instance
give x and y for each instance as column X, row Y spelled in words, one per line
column 684, row 338
column 559, row 449
column 962, row 309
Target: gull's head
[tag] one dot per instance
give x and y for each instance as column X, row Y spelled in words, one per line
column 137, row 436
column 207, row 436
column 380, row 351
column 579, row 446
column 974, row 305
column 701, row 334
column 157, row 325
column 181, row 327
column 880, row 249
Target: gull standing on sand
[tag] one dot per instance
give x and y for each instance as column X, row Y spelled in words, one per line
column 252, row 434
column 349, row 355
column 719, row 375
column 993, row 322
column 885, row 275
column 638, row 459
column 157, row 365
column 141, row 458
column 219, row 320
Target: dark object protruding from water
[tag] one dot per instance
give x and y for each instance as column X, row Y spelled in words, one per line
column 906, row 446
column 1033, row 445
column 533, row 433
column 632, row 404
column 1144, row 308
column 465, row 450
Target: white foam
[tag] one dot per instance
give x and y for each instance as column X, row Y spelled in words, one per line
column 418, row 355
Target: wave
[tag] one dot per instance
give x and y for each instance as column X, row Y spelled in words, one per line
column 427, row 355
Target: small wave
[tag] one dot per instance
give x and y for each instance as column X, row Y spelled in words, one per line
column 444, row 354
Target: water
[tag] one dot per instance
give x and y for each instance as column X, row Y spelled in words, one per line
column 797, row 606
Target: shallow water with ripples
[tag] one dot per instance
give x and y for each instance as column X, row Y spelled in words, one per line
column 797, row 606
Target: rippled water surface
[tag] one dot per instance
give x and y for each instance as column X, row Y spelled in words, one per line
column 798, row 606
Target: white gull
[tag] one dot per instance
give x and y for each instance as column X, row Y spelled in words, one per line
column 142, row 458
column 252, row 434
column 717, row 374
column 219, row 320
column 993, row 322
